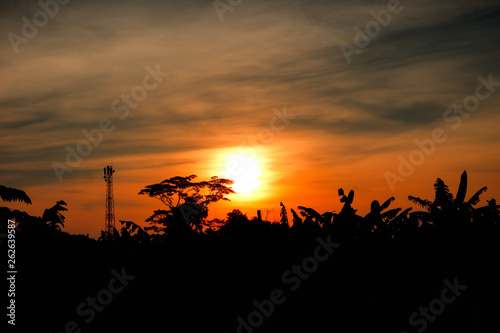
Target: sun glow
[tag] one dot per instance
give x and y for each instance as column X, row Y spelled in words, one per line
column 244, row 170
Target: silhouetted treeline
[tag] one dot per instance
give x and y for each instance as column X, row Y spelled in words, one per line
column 193, row 274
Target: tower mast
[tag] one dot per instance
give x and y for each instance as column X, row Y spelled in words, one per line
column 109, row 224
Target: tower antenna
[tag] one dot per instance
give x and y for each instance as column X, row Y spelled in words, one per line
column 109, row 223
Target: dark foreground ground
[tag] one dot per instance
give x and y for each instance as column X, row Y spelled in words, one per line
column 205, row 283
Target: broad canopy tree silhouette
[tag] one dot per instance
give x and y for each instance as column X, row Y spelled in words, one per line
column 187, row 202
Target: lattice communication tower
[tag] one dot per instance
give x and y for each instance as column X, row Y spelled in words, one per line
column 110, row 201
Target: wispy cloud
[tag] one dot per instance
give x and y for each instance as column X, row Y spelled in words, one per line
column 226, row 77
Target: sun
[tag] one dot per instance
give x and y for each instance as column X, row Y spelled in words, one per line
column 244, row 170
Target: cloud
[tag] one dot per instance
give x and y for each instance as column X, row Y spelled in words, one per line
column 226, row 77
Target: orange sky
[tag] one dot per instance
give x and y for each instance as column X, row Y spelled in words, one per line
column 227, row 80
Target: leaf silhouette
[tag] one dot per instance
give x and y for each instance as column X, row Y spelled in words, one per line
column 462, row 189
column 443, row 195
column 475, row 198
column 424, row 203
column 386, row 203
column 10, row 194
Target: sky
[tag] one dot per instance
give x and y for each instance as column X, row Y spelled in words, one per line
column 381, row 97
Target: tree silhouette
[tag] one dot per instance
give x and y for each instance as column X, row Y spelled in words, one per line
column 375, row 219
column 297, row 221
column 445, row 208
column 283, row 215
column 188, row 206
column 10, row 194
column 312, row 218
column 347, row 223
column 489, row 214
column 131, row 231
column 236, row 216
column 53, row 216
column 347, row 200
